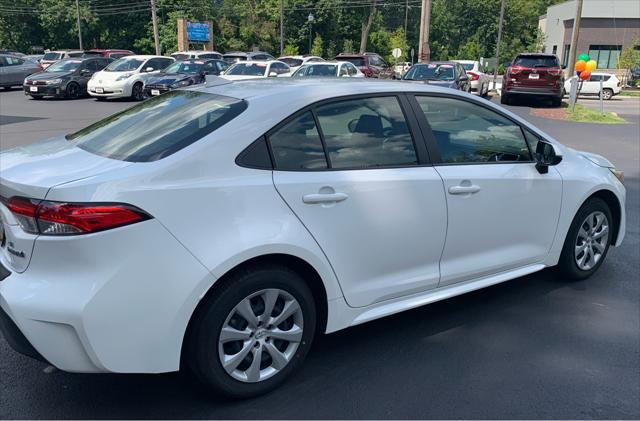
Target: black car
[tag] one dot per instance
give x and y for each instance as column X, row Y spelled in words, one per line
column 448, row 74
column 66, row 78
column 183, row 73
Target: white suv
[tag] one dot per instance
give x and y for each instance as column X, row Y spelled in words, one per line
column 225, row 226
column 610, row 85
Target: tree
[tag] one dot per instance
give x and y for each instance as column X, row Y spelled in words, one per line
column 629, row 59
column 291, row 50
column 347, row 46
column 399, row 40
column 366, row 27
column 317, row 48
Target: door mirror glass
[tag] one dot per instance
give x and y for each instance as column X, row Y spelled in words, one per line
column 546, row 156
column 273, row 74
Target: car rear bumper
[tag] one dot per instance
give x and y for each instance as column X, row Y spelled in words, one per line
column 113, row 301
column 527, row 90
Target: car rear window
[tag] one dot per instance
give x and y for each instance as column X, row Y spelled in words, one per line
column 536, row 61
column 159, row 126
column 52, row 56
column 356, row 61
column 291, row 62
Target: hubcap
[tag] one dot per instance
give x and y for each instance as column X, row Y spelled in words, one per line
column 260, row 335
column 591, row 241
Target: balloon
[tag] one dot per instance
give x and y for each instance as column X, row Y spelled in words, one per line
column 591, row 66
column 585, row 75
column 584, row 57
column 581, row 65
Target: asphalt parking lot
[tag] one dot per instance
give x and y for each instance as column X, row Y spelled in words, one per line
column 534, row 347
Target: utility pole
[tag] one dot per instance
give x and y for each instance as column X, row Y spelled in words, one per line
column 281, row 27
column 79, row 29
column 424, row 52
column 406, row 18
column 575, row 33
column 154, row 19
column 495, row 70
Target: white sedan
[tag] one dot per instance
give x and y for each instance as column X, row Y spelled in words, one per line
column 294, row 62
column 223, row 226
column 610, row 85
column 243, row 70
column 328, row 69
column 480, row 81
column 126, row 77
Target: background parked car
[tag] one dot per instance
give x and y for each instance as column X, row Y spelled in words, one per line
column 371, row 64
column 12, row 53
column 34, row 57
column 534, row 75
column 328, row 69
column 183, row 73
column 400, row 69
column 126, row 77
column 440, row 73
column 65, row 78
column 51, row 57
column 14, row 69
column 294, row 62
column 479, row 80
column 256, row 70
column 610, row 85
column 235, row 56
column 202, row 55
column 113, row 54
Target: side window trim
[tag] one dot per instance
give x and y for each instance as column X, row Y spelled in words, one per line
column 432, row 143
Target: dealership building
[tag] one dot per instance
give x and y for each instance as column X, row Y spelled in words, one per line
column 606, row 27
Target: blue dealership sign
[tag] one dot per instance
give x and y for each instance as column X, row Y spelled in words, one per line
column 198, row 32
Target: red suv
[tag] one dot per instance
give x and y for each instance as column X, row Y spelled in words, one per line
column 534, row 74
column 371, row 64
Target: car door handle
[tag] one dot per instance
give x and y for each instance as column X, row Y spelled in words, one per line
column 324, row 198
column 464, row 189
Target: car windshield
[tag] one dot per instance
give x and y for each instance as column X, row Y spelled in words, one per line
column 317, row 70
column 185, row 67
column 357, row 61
column 439, row 72
column 124, row 65
column 291, row 62
column 467, row 66
column 52, row 56
column 247, row 69
column 64, row 66
column 234, row 59
column 158, row 127
column 536, row 61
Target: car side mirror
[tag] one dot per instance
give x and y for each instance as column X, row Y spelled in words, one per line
column 273, row 74
column 85, row 72
column 546, row 156
column 149, row 69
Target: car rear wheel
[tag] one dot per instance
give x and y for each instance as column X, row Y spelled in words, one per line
column 588, row 240
column 72, row 91
column 137, row 93
column 253, row 333
column 607, row 94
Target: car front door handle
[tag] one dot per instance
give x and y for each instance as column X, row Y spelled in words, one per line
column 324, row 198
column 464, row 189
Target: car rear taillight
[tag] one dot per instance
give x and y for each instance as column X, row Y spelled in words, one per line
column 62, row 218
column 514, row 70
column 554, row 71
column 473, row 76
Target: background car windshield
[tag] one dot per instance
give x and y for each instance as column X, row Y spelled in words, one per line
column 430, row 72
column 355, row 60
column 64, row 66
column 124, row 65
column 242, row 69
column 318, row 70
column 184, row 67
column 52, row 56
column 292, row 62
column 467, row 66
column 159, row 126
column 536, row 61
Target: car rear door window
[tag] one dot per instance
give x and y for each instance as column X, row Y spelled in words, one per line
column 366, row 133
column 297, row 145
column 469, row 133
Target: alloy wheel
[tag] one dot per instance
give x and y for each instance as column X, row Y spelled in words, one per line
column 260, row 335
column 73, row 91
column 137, row 93
column 606, row 94
column 591, row 241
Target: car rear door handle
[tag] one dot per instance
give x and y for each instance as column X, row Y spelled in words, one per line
column 464, row 189
column 324, row 198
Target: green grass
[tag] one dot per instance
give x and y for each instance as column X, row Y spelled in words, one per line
column 582, row 114
column 630, row 93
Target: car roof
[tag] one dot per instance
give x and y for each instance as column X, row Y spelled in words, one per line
column 260, row 62
column 142, row 56
column 536, row 54
column 65, row 51
column 465, row 61
column 196, row 52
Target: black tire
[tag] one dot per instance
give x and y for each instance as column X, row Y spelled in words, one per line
column 567, row 265
column 505, row 99
column 137, row 92
column 202, row 351
column 556, row 102
column 72, row 90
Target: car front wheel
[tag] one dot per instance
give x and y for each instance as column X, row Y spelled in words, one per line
column 253, row 332
column 588, row 240
column 137, row 92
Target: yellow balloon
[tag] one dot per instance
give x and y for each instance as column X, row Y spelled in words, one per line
column 591, row 66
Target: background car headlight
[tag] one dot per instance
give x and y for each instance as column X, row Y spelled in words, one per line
column 618, row 174
column 123, row 77
column 54, row 82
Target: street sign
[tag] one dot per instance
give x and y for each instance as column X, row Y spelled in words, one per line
column 396, row 53
column 198, row 32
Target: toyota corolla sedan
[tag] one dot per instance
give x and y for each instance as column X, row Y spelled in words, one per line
column 183, row 73
column 220, row 228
